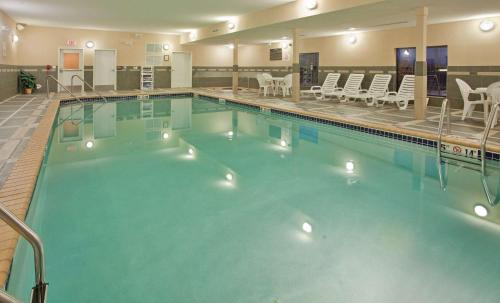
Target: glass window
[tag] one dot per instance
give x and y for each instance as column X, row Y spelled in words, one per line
column 437, row 67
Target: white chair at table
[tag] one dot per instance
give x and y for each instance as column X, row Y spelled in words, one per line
column 269, row 79
column 493, row 93
column 286, row 85
column 263, row 84
column 469, row 105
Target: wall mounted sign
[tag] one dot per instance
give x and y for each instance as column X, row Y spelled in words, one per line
column 71, row 43
column 276, row 54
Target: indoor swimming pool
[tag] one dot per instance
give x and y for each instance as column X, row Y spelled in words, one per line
column 187, row 200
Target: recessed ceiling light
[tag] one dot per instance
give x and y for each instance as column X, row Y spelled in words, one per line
column 89, row 44
column 480, row 210
column 307, row 227
column 487, row 25
column 311, row 4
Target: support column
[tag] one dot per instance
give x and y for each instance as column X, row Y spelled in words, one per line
column 235, row 67
column 295, row 67
column 421, row 64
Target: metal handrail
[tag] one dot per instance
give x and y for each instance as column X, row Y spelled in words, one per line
column 88, row 85
column 440, row 133
column 50, row 77
column 484, row 140
column 39, row 291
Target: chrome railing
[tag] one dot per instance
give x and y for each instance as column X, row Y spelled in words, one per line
column 39, row 291
column 88, row 85
column 50, row 77
column 484, row 140
column 444, row 106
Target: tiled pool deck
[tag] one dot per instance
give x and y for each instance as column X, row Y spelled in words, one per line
column 26, row 121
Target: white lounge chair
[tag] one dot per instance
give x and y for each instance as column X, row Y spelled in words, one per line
column 378, row 89
column 352, row 86
column 263, row 84
column 469, row 105
column 327, row 89
column 286, row 85
column 403, row 96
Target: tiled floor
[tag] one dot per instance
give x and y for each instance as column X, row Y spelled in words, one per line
column 19, row 116
column 471, row 128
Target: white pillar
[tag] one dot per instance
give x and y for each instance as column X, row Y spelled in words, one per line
column 235, row 67
column 295, row 68
column 421, row 64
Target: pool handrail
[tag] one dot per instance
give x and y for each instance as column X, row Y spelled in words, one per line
column 484, row 140
column 88, row 85
column 50, row 77
column 39, row 291
column 444, row 106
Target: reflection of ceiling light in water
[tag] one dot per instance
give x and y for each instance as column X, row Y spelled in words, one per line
column 480, row 211
column 307, row 227
column 349, row 166
column 406, row 52
column 230, row 133
column 165, row 136
column 191, row 151
column 89, row 144
column 283, row 143
column 229, row 177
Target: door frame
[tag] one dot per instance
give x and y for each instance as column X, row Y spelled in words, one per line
column 189, row 74
column 115, row 69
column 61, row 69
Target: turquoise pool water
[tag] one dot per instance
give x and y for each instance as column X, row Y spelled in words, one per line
column 146, row 213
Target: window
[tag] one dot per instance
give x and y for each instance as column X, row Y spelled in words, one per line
column 437, row 67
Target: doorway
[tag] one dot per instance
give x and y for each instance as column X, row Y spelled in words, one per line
column 182, row 70
column 309, row 69
column 104, row 69
column 70, row 63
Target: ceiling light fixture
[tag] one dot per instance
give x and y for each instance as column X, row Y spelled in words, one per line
column 89, row 44
column 231, row 46
column 311, row 4
column 192, row 35
column 20, row 27
column 166, row 46
column 487, row 25
column 480, row 210
column 15, row 38
column 231, row 25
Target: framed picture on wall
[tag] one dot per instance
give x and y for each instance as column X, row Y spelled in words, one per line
column 276, row 54
column 166, row 58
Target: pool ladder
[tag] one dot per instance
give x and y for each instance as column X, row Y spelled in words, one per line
column 484, row 139
column 39, row 291
column 85, row 83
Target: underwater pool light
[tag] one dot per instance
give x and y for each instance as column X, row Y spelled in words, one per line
column 349, row 166
column 480, row 210
column 229, row 177
column 89, row 144
column 307, row 227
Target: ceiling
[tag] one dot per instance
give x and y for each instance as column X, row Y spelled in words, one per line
column 378, row 16
column 152, row 16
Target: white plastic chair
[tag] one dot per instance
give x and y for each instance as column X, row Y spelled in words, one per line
column 286, row 86
column 352, row 86
column 469, row 105
column 263, row 84
column 403, row 96
column 269, row 80
column 378, row 89
column 328, row 87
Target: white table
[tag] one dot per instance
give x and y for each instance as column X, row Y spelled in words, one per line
column 276, row 83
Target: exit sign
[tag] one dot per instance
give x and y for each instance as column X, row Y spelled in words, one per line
column 71, row 43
